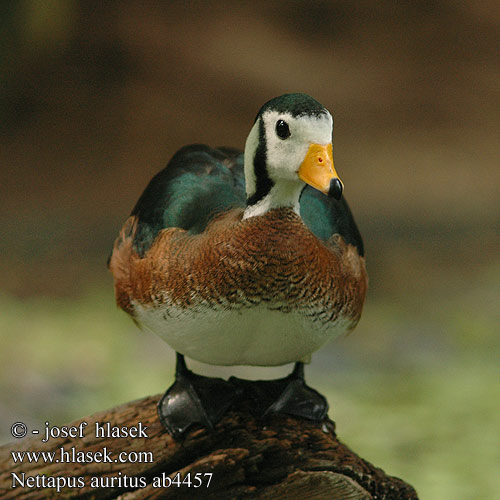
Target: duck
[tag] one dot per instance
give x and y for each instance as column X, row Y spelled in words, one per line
column 245, row 258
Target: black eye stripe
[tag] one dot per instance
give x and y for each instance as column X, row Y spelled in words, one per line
column 282, row 129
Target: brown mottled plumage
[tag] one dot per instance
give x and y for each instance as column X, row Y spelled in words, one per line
column 272, row 259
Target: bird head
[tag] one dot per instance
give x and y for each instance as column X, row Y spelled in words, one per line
column 289, row 146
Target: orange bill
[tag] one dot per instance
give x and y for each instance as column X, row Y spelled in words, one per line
column 318, row 171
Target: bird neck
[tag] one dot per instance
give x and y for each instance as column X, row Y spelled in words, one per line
column 282, row 194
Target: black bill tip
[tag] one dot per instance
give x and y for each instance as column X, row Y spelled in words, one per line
column 336, row 189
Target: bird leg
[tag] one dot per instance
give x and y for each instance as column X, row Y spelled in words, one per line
column 298, row 399
column 289, row 395
column 194, row 399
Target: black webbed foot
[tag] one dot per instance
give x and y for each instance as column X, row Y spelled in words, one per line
column 194, row 399
column 298, row 399
column 289, row 395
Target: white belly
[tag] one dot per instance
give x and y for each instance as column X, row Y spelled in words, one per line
column 251, row 336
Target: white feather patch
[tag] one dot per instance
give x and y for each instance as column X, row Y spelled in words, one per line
column 250, row 336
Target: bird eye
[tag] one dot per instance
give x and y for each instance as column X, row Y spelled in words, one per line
column 282, row 129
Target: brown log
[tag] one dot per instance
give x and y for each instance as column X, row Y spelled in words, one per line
column 278, row 457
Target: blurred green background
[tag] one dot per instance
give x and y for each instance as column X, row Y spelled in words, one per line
column 95, row 98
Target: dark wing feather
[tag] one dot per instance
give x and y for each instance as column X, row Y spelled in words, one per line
column 199, row 182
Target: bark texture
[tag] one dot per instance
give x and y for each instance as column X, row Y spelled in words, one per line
column 278, row 457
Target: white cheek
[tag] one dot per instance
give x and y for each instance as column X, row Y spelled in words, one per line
column 284, row 156
column 292, row 155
